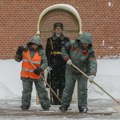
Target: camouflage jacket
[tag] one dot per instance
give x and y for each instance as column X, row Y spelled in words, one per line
column 84, row 59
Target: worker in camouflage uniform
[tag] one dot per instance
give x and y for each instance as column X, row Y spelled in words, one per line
column 80, row 53
column 56, row 78
column 35, row 53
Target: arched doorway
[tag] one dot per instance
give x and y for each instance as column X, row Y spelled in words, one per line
column 64, row 13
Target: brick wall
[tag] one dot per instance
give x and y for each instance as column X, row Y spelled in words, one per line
column 18, row 21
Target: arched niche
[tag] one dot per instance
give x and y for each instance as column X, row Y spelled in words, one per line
column 65, row 7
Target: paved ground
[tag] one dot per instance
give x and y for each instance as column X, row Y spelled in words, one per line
column 98, row 109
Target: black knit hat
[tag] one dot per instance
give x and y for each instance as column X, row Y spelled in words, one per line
column 58, row 24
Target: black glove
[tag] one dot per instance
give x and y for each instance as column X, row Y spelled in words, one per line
column 37, row 70
column 20, row 50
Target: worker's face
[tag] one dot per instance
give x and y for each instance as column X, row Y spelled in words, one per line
column 58, row 30
column 85, row 45
column 34, row 46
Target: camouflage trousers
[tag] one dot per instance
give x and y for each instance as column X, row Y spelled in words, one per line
column 69, row 88
column 41, row 90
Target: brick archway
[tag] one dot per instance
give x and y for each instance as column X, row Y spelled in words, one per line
column 64, row 7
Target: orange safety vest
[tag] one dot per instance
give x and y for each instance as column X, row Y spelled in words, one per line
column 27, row 68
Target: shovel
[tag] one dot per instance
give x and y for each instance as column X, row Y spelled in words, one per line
column 42, row 78
column 116, row 107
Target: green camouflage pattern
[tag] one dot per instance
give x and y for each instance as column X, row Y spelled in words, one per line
column 85, row 60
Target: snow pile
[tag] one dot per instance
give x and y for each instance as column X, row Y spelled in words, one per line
column 5, row 92
column 10, row 84
column 108, row 77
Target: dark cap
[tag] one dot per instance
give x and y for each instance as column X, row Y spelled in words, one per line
column 58, row 24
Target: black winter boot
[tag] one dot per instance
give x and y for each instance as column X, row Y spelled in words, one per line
column 63, row 109
column 24, row 108
column 83, row 109
column 46, row 108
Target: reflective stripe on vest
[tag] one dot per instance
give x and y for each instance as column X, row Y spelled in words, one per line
column 27, row 68
column 34, row 62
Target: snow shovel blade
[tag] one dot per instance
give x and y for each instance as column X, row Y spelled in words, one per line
column 117, row 108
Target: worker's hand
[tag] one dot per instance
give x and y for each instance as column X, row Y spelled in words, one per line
column 37, row 70
column 20, row 50
column 91, row 78
column 49, row 69
column 69, row 62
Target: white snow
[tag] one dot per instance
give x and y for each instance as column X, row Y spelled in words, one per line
column 10, row 82
column 108, row 77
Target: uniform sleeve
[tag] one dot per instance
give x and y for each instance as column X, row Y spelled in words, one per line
column 48, row 51
column 65, row 51
column 44, row 62
column 18, row 58
column 92, row 63
column 67, row 40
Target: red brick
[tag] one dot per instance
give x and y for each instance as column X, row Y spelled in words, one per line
column 18, row 21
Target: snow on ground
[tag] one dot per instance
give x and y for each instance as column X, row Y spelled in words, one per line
column 108, row 77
